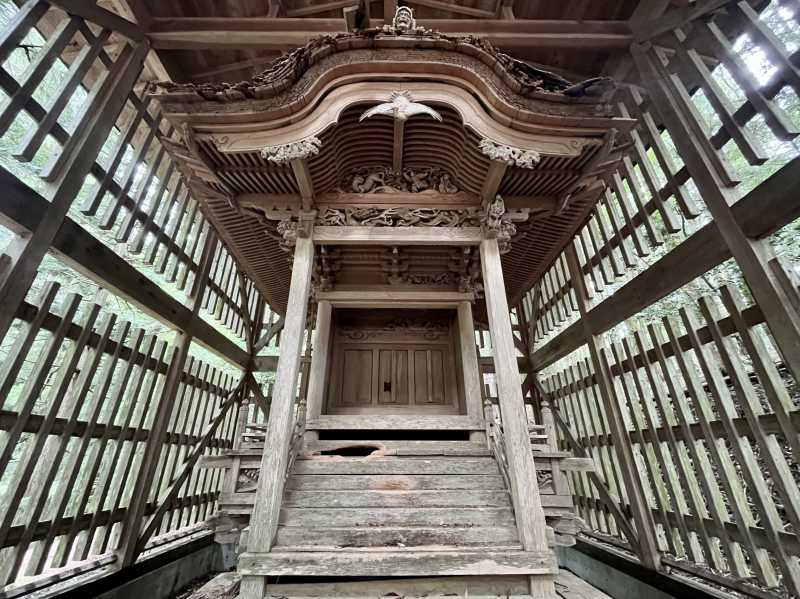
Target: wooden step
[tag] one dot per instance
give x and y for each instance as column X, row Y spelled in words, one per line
column 404, row 448
column 242, row 503
column 454, row 587
column 419, row 499
column 464, row 562
column 372, row 517
column 434, row 422
column 395, row 465
column 399, row 482
column 386, row 536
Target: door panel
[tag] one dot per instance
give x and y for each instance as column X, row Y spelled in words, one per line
column 429, row 379
column 392, row 370
column 356, row 377
column 393, row 377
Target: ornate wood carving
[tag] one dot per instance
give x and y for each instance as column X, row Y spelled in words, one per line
column 508, row 155
column 496, row 224
column 430, row 330
column 399, row 217
column 382, row 179
column 298, row 150
column 401, row 107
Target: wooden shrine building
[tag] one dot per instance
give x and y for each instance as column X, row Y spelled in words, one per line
column 429, row 298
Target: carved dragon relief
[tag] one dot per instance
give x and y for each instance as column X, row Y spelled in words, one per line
column 399, row 216
column 382, row 179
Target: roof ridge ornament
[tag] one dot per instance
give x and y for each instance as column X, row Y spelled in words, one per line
column 401, row 106
column 403, row 22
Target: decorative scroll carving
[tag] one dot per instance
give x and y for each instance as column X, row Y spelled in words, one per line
column 382, row 179
column 429, row 330
column 401, row 107
column 508, row 155
column 289, row 229
column 287, row 70
column 437, row 278
column 497, row 224
column 292, row 151
column 399, row 217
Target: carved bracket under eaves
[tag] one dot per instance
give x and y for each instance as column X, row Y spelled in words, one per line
column 508, row 155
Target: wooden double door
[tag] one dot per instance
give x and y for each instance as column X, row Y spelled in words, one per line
column 393, row 371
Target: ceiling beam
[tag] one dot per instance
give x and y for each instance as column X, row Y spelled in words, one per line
column 315, row 9
column 454, row 8
column 210, row 33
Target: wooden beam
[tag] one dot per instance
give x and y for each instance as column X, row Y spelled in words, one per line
column 315, row 9
column 455, row 8
column 395, row 297
column 74, row 164
column 317, row 379
column 751, row 255
column 646, row 541
column 491, row 183
column 197, row 33
column 100, row 16
column 357, row 235
column 389, row 9
column 136, row 12
column 763, row 211
column 397, row 147
column 675, row 19
column 470, row 371
column 304, row 183
column 264, row 521
column 22, row 210
column 128, row 547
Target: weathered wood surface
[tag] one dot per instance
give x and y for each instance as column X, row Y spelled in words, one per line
column 399, row 536
column 397, row 465
column 242, row 503
column 399, row 498
column 522, row 471
column 397, row 563
column 394, row 422
column 281, row 421
column 480, row 587
column 395, row 481
column 393, row 236
column 345, row 517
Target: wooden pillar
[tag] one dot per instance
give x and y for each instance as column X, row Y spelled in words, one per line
column 319, row 364
column 469, row 367
column 264, row 520
column 521, row 469
column 646, row 540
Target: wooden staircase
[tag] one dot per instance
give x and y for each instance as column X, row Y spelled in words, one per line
column 376, row 513
column 411, row 508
